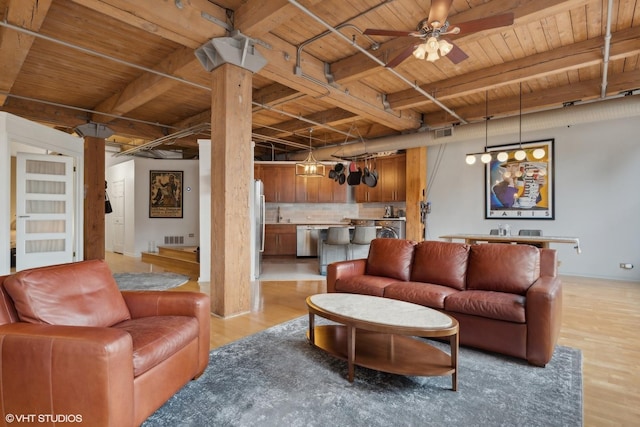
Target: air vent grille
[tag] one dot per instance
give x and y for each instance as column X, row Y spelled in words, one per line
column 443, row 132
column 174, row 240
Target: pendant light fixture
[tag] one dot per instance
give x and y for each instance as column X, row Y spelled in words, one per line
column 485, row 157
column 310, row 167
column 520, row 154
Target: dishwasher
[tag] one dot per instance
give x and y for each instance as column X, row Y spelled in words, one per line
column 307, row 240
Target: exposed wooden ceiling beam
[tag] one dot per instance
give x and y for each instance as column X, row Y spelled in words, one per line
column 332, row 117
column 539, row 100
column 258, row 17
column 571, row 57
column 274, row 94
column 355, row 97
column 185, row 26
column 359, row 66
column 70, row 118
column 15, row 46
column 149, row 86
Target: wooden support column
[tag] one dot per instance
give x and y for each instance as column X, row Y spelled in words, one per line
column 94, row 149
column 231, row 172
column 416, row 190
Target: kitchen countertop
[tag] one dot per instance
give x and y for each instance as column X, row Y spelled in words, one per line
column 326, row 223
column 332, row 224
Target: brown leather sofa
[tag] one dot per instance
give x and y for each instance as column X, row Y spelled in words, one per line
column 74, row 348
column 506, row 298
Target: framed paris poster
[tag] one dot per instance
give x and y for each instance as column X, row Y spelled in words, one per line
column 520, row 186
column 165, row 195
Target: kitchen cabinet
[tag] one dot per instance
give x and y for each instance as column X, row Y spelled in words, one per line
column 279, row 182
column 280, row 239
column 391, row 186
column 366, row 194
column 320, row 190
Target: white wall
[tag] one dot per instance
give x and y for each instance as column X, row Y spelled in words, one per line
column 596, row 194
column 139, row 228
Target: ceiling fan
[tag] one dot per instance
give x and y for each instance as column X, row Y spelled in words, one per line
column 430, row 29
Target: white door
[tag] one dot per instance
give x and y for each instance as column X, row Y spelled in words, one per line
column 116, row 196
column 44, row 210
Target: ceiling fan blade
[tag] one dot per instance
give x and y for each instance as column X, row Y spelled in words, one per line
column 401, row 56
column 439, row 12
column 392, row 33
column 485, row 23
column 456, row 55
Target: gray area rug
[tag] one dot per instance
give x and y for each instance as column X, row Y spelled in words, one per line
column 275, row 378
column 149, row 281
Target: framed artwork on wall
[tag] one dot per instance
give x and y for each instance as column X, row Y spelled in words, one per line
column 165, row 194
column 520, row 186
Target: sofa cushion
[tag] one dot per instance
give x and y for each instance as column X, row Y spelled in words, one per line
column 503, row 267
column 390, row 258
column 157, row 338
column 493, row 305
column 427, row 294
column 77, row 294
column 367, row 285
column 442, row 263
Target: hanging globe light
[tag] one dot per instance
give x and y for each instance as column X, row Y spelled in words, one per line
column 538, row 153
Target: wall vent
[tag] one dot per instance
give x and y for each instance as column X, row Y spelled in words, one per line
column 443, row 132
column 174, row 240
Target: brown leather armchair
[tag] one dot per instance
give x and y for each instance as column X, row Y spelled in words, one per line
column 74, row 348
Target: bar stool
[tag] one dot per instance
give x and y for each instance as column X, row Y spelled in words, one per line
column 334, row 248
column 362, row 237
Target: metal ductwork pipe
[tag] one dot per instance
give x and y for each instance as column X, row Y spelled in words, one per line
column 587, row 112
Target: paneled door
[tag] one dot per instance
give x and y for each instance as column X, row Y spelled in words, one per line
column 44, row 210
column 116, row 196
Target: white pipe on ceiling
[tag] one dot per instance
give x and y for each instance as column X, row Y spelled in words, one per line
column 605, row 61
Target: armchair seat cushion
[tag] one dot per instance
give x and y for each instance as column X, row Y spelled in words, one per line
column 157, row 338
column 489, row 304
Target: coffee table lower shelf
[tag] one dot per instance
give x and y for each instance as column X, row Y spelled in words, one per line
column 396, row 354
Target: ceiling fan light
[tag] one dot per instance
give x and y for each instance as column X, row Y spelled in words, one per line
column 420, row 52
column 470, row 159
column 432, row 56
column 445, row 47
column 432, row 44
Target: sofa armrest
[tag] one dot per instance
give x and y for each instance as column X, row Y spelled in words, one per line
column 544, row 318
column 86, row 372
column 170, row 303
column 342, row 269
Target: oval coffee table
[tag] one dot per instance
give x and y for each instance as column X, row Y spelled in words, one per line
column 378, row 333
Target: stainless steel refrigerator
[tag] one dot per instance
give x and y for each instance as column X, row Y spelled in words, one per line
column 257, row 228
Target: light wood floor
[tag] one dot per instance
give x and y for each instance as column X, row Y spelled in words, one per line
column 602, row 318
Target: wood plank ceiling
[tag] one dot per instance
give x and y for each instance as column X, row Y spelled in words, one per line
column 131, row 66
